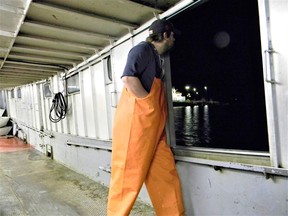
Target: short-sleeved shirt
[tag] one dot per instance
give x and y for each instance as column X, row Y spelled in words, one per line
column 143, row 62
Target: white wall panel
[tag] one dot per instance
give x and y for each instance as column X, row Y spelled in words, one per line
column 43, row 108
column 24, row 105
column 36, row 104
column 72, row 121
column 140, row 37
column 65, row 124
column 100, row 101
column 48, row 105
column 119, row 56
column 12, row 107
column 35, row 112
column 231, row 192
column 78, row 106
column 54, row 83
column 30, row 104
column 88, row 101
column 46, row 112
column 32, row 98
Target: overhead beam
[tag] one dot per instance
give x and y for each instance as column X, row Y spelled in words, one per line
column 10, row 84
column 21, row 77
column 27, row 77
column 46, row 51
column 21, row 71
column 66, row 30
column 34, row 64
column 76, row 13
column 13, row 84
column 60, row 42
column 43, row 59
column 31, row 69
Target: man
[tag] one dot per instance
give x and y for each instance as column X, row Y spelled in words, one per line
column 140, row 152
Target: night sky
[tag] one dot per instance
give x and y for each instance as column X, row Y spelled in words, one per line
column 219, row 47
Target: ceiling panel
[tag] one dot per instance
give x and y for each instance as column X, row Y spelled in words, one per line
column 40, row 38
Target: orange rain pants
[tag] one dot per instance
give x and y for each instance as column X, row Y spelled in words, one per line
column 140, row 153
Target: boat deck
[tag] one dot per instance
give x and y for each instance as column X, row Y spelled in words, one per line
column 33, row 184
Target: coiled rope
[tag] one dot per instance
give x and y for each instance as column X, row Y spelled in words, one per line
column 59, row 107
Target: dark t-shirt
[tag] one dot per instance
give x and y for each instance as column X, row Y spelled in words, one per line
column 143, row 62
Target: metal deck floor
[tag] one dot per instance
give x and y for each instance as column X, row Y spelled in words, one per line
column 33, row 184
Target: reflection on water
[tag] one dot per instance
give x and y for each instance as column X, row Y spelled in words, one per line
column 220, row 127
column 192, row 125
column 206, row 123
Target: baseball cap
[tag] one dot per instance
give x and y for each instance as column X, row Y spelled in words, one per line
column 161, row 26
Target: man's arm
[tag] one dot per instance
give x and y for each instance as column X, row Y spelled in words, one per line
column 134, row 86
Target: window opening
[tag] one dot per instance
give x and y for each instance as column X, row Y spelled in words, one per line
column 73, row 84
column 47, row 90
column 216, row 70
column 108, row 70
column 12, row 93
column 19, row 95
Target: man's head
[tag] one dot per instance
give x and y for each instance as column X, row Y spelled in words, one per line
column 158, row 27
column 161, row 34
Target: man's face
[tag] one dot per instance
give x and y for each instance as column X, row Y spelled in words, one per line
column 171, row 40
column 168, row 42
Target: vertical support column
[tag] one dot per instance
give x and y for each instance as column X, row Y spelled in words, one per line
column 270, row 83
column 170, row 127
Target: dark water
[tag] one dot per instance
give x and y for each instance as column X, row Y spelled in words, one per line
column 221, row 126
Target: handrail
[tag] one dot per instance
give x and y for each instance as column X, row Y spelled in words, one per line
column 222, row 151
column 50, row 135
column 108, row 148
column 217, row 165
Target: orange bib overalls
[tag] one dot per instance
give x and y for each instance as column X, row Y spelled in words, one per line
column 140, row 153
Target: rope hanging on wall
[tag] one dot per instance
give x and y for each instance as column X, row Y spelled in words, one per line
column 59, row 107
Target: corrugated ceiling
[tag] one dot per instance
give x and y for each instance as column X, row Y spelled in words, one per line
column 40, row 38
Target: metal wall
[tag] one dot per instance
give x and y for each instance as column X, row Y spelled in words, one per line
column 231, row 192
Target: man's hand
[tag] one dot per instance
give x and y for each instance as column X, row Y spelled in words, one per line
column 134, row 86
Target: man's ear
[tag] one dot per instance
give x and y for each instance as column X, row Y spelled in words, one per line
column 165, row 35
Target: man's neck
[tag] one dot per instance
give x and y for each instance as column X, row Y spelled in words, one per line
column 158, row 46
